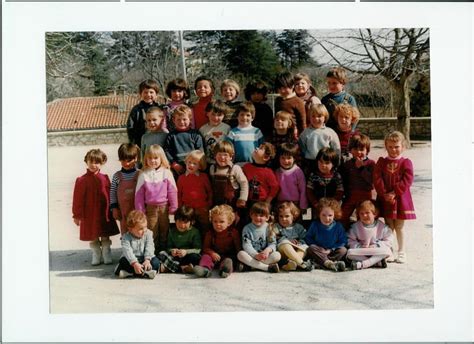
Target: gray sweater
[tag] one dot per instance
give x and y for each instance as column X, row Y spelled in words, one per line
column 285, row 234
column 254, row 239
column 133, row 247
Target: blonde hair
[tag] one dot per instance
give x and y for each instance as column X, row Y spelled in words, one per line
column 183, row 110
column 367, row 205
column 302, row 76
column 319, row 109
column 329, row 203
column 294, row 210
column 198, row 156
column 224, row 147
column 395, row 136
column 231, row 83
column 155, row 151
column 136, row 217
column 347, row 109
column 286, row 116
column 222, row 209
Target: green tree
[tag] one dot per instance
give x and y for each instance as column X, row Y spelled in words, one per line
column 294, row 48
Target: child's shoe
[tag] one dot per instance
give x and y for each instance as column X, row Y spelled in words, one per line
column 96, row 252
column 201, row 271
column 355, row 265
column 150, row 274
column 124, row 274
column 187, row 269
column 306, row 266
column 226, row 269
column 402, row 258
column 106, row 252
column 168, row 262
column 273, row 268
column 241, row 267
column 224, row 274
column 330, row 265
column 341, row 266
column 290, row 266
column 383, row 263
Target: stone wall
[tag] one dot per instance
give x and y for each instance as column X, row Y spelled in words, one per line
column 376, row 128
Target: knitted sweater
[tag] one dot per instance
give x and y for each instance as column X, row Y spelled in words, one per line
column 330, row 100
column 126, row 175
column 245, row 140
column 294, row 232
column 156, row 187
column 189, row 240
column 377, row 234
column 133, row 247
column 292, row 186
column 357, row 179
column 226, row 243
column 263, row 119
column 294, row 105
column 213, row 135
column 320, row 185
column 255, row 239
column 178, row 144
column 263, row 183
column 199, row 112
column 312, row 140
column 329, row 237
column 136, row 123
column 194, row 190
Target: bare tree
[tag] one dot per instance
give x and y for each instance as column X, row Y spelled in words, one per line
column 396, row 54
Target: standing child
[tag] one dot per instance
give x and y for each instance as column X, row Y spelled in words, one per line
column 324, row 181
column 124, row 182
column 288, row 101
column 90, row 208
column 305, row 91
column 138, row 257
column 370, row 240
column 336, row 80
column 346, row 116
column 357, row 176
column 155, row 134
column 290, row 238
column 184, row 243
column 256, row 91
column 245, row 137
column 326, row 237
column 156, row 194
column 230, row 90
column 283, row 131
column 194, row 189
column 136, row 123
column 393, row 177
column 221, row 245
column 215, row 130
column 258, row 241
column 178, row 92
column 204, row 89
column 182, row 140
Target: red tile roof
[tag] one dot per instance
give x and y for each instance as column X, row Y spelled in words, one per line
column 90, row 112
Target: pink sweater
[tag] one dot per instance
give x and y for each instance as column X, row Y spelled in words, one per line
column 292, row 186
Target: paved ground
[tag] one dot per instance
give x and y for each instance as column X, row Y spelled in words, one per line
column 77, row 287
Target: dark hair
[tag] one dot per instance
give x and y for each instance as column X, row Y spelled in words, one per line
column 178, row 84
column 149, row 83
column 96, row 155
column 289, row 149
column 260, row 208
column 185, row 214
column 256, row 86
column 329, row 155
column 284, row 79
column 201, row 78
column 359, row 141
column 218, row 106
column 128, row 151
column 246, row 107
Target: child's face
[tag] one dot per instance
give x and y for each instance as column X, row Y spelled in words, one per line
column 259, row 155
column 285, row 217
column 325, row 167
column 287, row 161
column 153, row 121
column 285, row 91
column 366, row 216
column 359, row 153
column 153, row 162
column 334, row 85
column 148, row 95
column 220, row 222
column 394, row 148
column 93, row 166
column 317, row 120
column 257, row 97
column 192, row 166
column 182, row 122
column 182, row 226
column 229, row 93
column 223, row 159
column 203, row 89
column 215, row 118
column 177, row 95
column 280, row 123
column 128, row 164
column 258, row 219
column 301, row 87
column 344, row 122
column 138, row 230
column 245, row 119
column 326, row 216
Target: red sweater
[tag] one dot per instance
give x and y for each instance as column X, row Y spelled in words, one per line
column 194, row 190
column 262, row 182
column 225, row 243
column 199, row 113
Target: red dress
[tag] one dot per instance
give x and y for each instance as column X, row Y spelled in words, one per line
column 395, row 175
column 90, row 204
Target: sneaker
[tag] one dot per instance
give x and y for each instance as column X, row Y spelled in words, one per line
column 241, row 267
column 200, row 271
column 306, row 266
column 402, row 258
column 340, row 266
column 187, row 269
column 383, row 263
column 149, row 274
column 390, row 259
column 330, row 265
column 273, row 268
column 124, row 274
column 290, row 266
column 224, row 274
column 355, row 265
column 163, row 256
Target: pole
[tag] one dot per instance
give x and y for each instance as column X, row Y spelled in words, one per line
column 183, row 63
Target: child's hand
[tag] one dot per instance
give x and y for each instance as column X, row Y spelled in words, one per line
column 138, row 268
column 77, row 221
column 262, row 255
column 294, row 241
column 182, row 253
column 240, row 203
column 215, row 257
column 174, row 252
column 389, row 197
column 147, row 265
column 117, row 215
column 177, row 168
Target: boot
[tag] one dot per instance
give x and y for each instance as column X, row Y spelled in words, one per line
column 96, row 252
column 106, row 252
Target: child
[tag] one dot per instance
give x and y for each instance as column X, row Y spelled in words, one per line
column 122, row 190
column 289, row 102
column 305, row 91
column 138, row 257
column 346, row 116
column 370, row 240
column 245, row 137
column 290, row 177
column 155, row 135
column 258, row 241
column 220, row 245
column 284, row 129
column 230, row 92
column 229, row 184
column 90, row 208
column 336, row 80
column 256, row 92
column 393, row 177
column 148, row 91
column 357, row 176
column 194, row 189
column 326, row 237
column 204, row 89
column 182, row 140
column 317, row 135
column 290, row 238
column 184, row 244
column 215, row 130
column 156, row 194
column 178, row 92
column 324, row 181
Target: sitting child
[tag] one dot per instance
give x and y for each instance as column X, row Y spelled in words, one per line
column 221, row 245
column 258, row 241
column 138, row 257
column 370, row 240
column 346, row 116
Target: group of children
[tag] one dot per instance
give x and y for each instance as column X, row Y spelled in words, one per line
column 237, row 186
